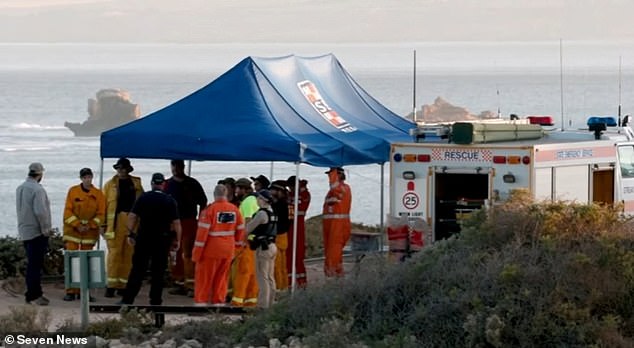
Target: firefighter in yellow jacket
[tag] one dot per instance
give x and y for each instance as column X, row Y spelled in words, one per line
column 83, row 215
column 121, row 192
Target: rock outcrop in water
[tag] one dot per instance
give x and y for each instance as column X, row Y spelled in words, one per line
column 443, row 111
column 112, row 108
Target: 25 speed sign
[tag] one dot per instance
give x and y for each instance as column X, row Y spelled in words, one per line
column 410, row 200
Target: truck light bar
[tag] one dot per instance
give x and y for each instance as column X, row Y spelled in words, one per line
column 514, row 159
column 424, row 158
column 409, row 157
column 499, row 159
column 542, row 120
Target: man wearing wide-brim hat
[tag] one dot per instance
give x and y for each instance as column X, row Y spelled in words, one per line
column 336, row 221
column 120, row 192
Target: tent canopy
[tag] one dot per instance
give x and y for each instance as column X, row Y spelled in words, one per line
column 267, row 109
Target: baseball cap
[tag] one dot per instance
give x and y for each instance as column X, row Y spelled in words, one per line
column 85, row 171
column 36, row 168
column 158, row 178
column 243, row 182
column 265, row 195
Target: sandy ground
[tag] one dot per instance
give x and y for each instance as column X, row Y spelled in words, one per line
column 63, row 311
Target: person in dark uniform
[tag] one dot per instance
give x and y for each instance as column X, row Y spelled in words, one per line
column 262, row 229
column 191, row 199
column 157, row 214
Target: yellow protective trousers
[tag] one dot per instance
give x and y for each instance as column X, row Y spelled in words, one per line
column 281, row 272
column 245, row 285
column 119, row 261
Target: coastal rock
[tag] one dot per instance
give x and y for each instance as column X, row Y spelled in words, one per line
column 275, row 343
column 443, row 111
column 111, row 109
column 171, row 343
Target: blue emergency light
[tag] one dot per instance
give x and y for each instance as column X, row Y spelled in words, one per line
column 609, row 121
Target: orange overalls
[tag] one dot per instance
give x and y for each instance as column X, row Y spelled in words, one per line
column 82, row 209
column 220, row 228
column 336, row 223
column 245, row 285
column 300, row 252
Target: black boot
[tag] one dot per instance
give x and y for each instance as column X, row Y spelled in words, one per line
column 110, row 292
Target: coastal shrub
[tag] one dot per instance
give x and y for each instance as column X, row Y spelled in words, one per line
column 25, row 318
column 132, row 325
column 13, row 257
column 214, row 332
column 523, row 274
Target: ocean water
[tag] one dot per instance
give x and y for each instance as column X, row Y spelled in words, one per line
column 43, row 85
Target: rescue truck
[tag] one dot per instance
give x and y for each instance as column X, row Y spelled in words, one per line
column 450, row 170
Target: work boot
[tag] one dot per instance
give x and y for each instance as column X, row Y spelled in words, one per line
column 120, row 292
column 110, row 292
column 70, row 297
column 190, row 293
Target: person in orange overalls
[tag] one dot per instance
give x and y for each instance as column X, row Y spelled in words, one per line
column 84, row 212
column 220, row 228
column 300, row 252
column 245, row 285
column 336, row 221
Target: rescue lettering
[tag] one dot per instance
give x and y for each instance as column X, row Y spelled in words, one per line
column 573, row 154
column 462, row 155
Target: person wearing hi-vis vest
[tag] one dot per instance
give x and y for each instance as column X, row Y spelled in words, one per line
column 121, row 192
column 336, row 221
column 84, row 213
column 220, row 229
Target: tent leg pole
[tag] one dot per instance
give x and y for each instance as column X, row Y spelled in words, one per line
column 189, row 168
column 101, row 188
column 295, row 217
column 381, row 219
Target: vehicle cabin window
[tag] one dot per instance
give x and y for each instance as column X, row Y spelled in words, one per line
column 626, row 161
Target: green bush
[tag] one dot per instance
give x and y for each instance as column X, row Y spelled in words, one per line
column 13, row 257
column 522, row 274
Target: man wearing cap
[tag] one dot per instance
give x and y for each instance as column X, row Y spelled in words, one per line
column 34, row 227
column 157, row 216
column 191, row 199
column 120, row 192
column 84, row 213
column 244, row 283
column 303, row 202
column 260, row 182
column 262, row 230
column 336, row 221
column 279, row 193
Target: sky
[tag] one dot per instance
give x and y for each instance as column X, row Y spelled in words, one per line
column 221, row 21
